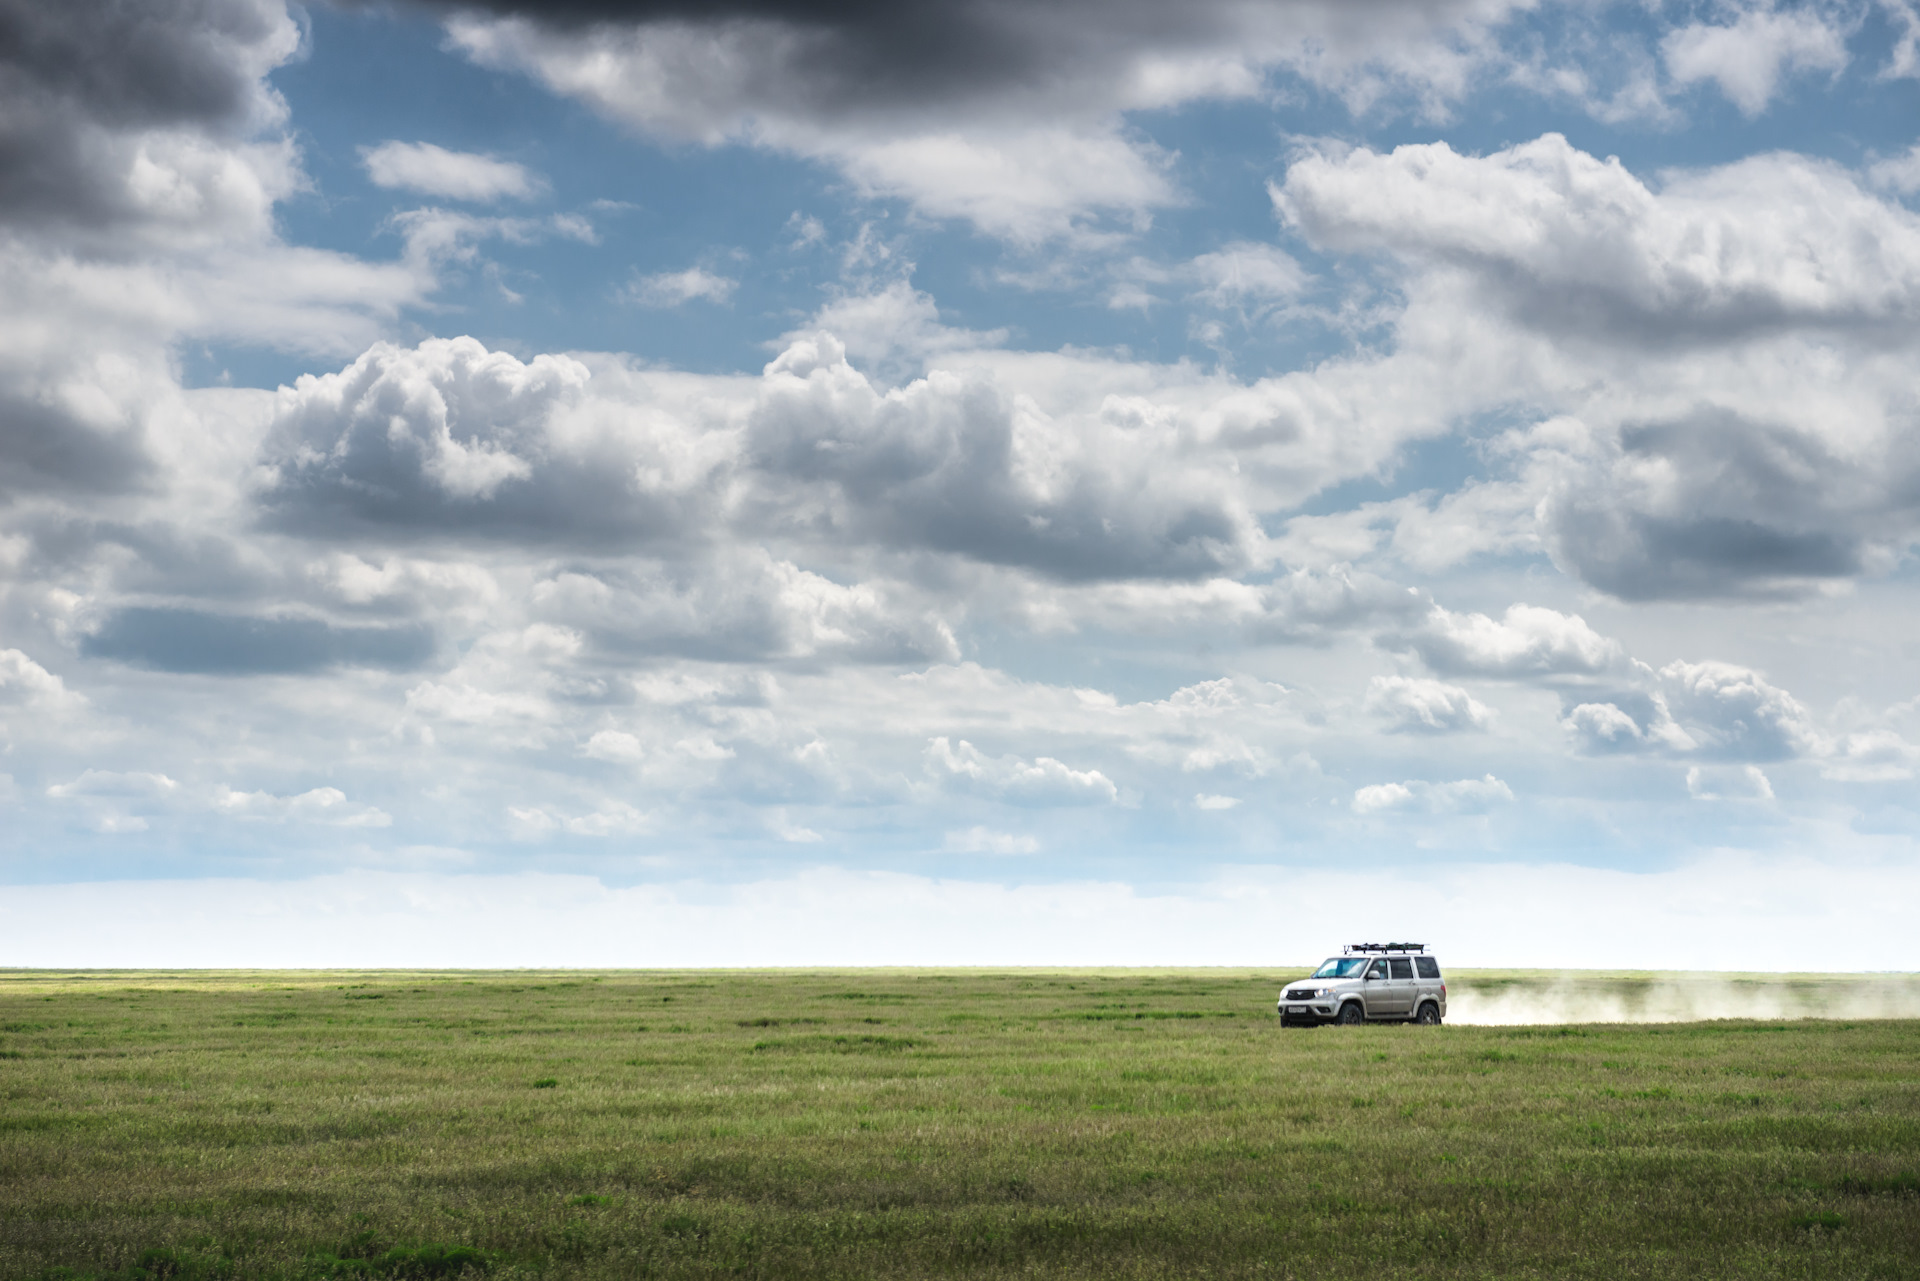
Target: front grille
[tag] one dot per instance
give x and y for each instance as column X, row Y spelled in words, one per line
column 1301, row 994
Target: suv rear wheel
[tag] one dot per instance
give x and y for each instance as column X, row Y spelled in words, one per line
column 1350, row 1014
column 1429, row 1015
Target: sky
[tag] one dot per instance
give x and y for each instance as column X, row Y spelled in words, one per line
column 766, row 483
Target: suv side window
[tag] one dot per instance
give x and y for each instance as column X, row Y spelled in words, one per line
column 1402, row 968
column 1429, row 968
column 1379, row 970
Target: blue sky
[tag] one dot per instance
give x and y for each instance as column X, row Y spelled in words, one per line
column 1074, row 483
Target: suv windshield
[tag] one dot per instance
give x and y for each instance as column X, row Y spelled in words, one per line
column 1341, row 967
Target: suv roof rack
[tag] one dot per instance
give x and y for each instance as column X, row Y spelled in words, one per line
column 1386, row 947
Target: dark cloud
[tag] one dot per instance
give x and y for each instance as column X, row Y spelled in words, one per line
column 1745, row 508
column 835, row 61
column 73, row 77
column 867, row 53
column 188, row 640
column 43, row 449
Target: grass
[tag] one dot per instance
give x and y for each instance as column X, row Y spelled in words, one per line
column 922, row 1123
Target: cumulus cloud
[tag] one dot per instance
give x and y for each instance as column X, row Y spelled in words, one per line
column 1873, row 756
column 117, row 784
column 24, row 683
column 327, row 806
column 896, row 330
column 1042, row 781
column 1527, row 641
column 1717, row 711
column 1413, row 705
column 615, row 819
column 1465, row 796
column 1728, row 783
column 427, row 435
column 1579, row 246
column 1607, row 728
column 1750, row 56
column 451, row 175
column 952, row 462
column 1714, row 359
column 449, row 436
column 1731, row 711
column 119, row 802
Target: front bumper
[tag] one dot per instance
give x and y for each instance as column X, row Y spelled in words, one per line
column 1306, row 1013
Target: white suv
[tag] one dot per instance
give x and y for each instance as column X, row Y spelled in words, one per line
column 1369, row 983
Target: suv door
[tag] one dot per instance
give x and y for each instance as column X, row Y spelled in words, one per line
column 1400, row 987
column 1377, row 991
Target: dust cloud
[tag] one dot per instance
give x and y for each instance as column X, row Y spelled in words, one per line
column 1510, row 998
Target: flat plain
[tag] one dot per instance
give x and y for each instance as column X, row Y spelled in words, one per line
column 931, row 1123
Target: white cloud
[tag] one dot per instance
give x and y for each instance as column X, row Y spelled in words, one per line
column 1527, row 641
column 1732, row 711
column 670, row 289
column 615, row 745
column 1748, row 58
column 1465, row 796
column 1562, row 239
column 1210, row 801
column 136, row 784
column 1903, row 60
column 1042, row 781
column 396, row 423
column 434, row 237
column 24, row 683
column 1899, row 173
column 323, row 805
column 1411, row 704
column 1023, row 184
column 451, row 175
column 1603, row 728
column 1245, row 274
column 1728, row 783
column 1873, row 756
column 896, row 329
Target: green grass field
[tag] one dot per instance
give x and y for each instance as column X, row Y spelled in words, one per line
column 921, row 1123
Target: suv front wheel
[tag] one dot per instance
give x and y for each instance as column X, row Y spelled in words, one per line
column 1350, row 1014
